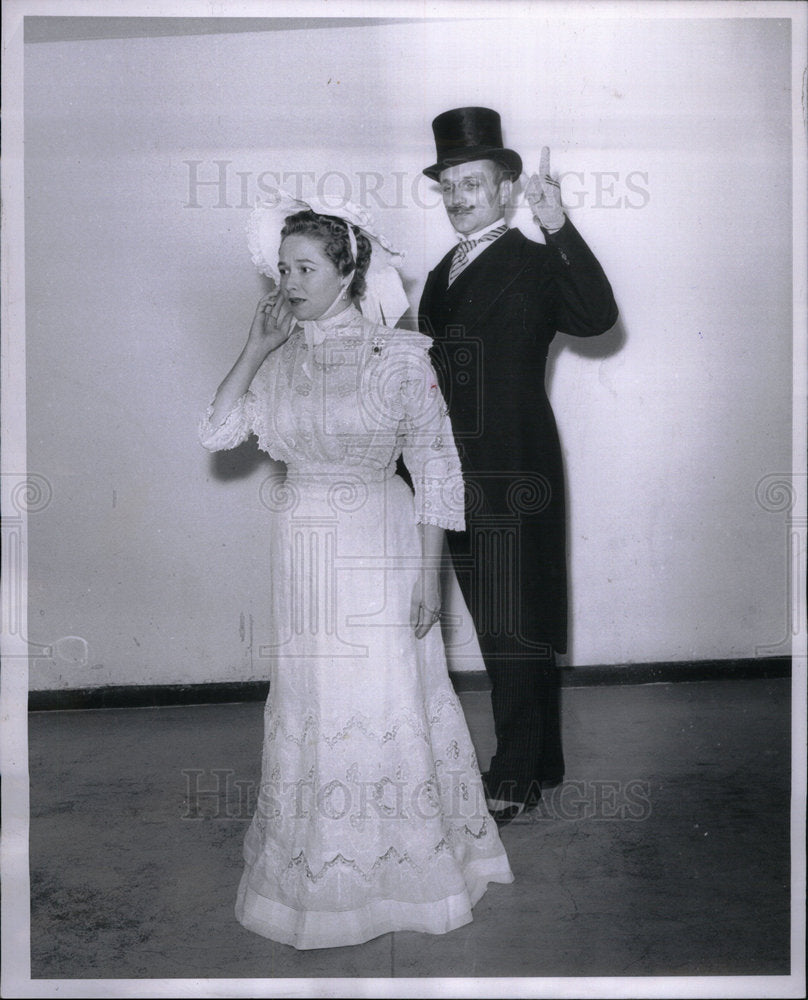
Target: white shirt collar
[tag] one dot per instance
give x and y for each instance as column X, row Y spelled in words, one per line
column 480, row 232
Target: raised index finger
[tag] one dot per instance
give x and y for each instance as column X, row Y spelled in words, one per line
column 544, row 162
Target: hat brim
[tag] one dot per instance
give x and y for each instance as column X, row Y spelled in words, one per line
column 507, row 157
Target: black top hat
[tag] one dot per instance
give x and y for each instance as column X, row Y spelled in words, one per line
column 465, row 134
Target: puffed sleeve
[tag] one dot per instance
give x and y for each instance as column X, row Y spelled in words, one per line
column 235, row 428
column 428, row 449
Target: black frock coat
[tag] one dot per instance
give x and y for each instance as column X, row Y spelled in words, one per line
column 492, row 330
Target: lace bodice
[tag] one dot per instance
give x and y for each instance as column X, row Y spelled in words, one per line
column 345, row 394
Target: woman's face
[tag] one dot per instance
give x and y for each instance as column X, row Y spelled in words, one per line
column 310, row 282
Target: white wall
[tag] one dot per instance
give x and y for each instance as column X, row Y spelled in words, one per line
column 151, row 552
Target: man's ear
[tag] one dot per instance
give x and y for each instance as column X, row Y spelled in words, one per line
column 505, row 189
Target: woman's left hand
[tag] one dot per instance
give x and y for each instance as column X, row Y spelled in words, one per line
column 425, row 605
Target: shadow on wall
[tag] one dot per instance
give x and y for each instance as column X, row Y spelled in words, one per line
column 604, row 346
column 240, row 462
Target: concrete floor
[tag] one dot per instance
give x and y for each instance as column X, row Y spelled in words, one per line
column 664, row 853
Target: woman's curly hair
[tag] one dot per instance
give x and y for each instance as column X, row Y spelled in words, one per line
column 332, row 233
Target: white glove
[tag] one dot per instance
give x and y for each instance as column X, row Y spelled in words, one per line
column 544, row 196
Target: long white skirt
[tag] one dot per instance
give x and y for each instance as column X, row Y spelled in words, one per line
column 371, row 815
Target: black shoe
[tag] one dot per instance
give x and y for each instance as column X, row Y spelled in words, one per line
column 534, row 796
column 505, row 814
column 531, row 801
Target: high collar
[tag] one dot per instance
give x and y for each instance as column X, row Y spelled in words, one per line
column 317, row 330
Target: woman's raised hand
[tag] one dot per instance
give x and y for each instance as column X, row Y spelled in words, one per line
column 272, row 323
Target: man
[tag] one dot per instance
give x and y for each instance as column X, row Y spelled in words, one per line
column 492, row 305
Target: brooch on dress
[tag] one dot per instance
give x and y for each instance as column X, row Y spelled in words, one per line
column 377, row 345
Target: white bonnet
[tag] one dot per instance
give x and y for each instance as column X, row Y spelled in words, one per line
column 384, row 300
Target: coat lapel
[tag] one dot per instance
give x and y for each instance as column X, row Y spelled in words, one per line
column 476, row 290
column 435, row 275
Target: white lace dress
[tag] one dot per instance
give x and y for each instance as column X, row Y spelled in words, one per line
column 371, row 815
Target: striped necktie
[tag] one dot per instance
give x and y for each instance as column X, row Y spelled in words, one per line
column 461, row 254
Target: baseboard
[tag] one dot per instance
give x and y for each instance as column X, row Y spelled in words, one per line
column 155, row 696
column 667, row 673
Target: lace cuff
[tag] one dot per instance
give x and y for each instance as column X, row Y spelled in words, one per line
column 234, row 429
column 443, row 522
column 439, row 496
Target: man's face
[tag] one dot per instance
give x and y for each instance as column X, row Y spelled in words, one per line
column 471, row 195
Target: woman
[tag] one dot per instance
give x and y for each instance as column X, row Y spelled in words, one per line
column 371, row 815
